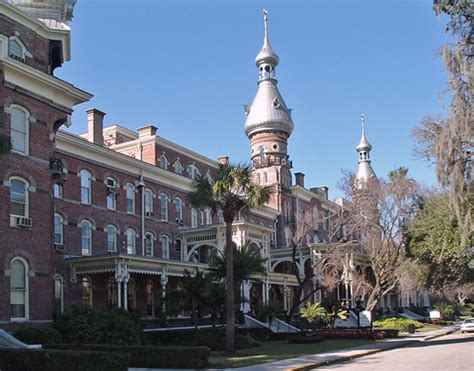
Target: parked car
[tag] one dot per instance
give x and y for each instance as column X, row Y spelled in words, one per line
column 467, row 325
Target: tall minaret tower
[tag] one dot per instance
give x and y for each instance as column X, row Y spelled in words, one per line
column 269, row 124
column 364, row 171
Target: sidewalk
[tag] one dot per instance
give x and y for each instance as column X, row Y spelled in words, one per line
column 316, row 360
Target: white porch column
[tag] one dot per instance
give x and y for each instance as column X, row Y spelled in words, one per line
column 119, row 292
column 245, row 290
column 285, row 297
column 125, row 293
column 164, row 282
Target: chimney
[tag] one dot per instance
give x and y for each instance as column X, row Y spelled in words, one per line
column 325, row 190
column 299, row 179
column 95, row 126
column 223, row 160
column 147, row 131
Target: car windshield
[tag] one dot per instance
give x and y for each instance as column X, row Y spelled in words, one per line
column 469, row 320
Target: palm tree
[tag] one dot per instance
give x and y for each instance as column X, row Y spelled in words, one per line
column 232, row 192
column 313, row 311
column 247, row 263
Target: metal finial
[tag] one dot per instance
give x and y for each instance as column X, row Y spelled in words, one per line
column 362, row 120
column 265, row 21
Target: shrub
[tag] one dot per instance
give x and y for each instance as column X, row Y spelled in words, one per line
column 351, row 334
column 59, row 360
column 92, row 325
column 389, row 333
column 38, row 335
column 150, row 356
column 304, row 339
column 245, row 341
column 258, row 333
column 397, row 323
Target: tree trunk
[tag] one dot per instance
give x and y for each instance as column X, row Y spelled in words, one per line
column 229, row 278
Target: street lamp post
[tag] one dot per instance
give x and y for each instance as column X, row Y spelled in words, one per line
column 358, row 302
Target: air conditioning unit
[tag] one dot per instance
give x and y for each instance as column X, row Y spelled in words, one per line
column 56, row 166
column 149, row 213
column 22, row 222
column 111, row 189
column 58, row 247
column 180, row 221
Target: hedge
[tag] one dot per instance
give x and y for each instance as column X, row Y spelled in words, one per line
column 150, row 356
column 304, row 339
column 389, row 332
column 38, row 335
column 60, row 360
column 397, row 323
column 341, row 334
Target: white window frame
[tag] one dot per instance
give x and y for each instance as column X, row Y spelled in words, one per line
column 179, row 207
column 149, row 195
column 130, row 191
column 113, row 228
column 58, row 229
column 25, row 290
column 86, row 176
column 131, row 236
column 151, row 238
column 194, row 218
column 164, row 199
column 23, row 53
column 165, row 247
column 89, row 248
column 27, row 195
column 58, row 190
column 208, row 216
column 26, row 132
column 178, row 167
column 193, row 172
column 111, row 197
column 163, row 162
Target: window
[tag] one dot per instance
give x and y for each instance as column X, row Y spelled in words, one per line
column 58, row 293
column 165, row 247
column 19, row 288
column 178, row 167
column 58, row 229
column 179, row 209
column 58, row 190
column 130, row 198
column 265, row 178
column 148, row 202
column 149, row 244
column 15, row 50
column 86, row 237
column 220, row 216
column 287, row 237
column 86, row 284
column 111, row 292
column 19, row 130
column 178, row 245
column 86, row 178
column 194, row 218
column 150, row 304
column 208, row 216
column 162, row 160
column 164, row 207
column 201, row 217
column 111, row 194
column 132, row 294
column 131, row 241
column 111, row 238
column 18, row 197
column 193, row 172
column 261, row 154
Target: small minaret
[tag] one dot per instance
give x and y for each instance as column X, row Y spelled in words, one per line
column 364, row 171
column 269, row 124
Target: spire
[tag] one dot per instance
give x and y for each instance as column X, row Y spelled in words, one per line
column 268, row 110
column 365, row 170
column 266, row 59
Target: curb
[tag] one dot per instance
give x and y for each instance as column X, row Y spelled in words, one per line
column 309, row 366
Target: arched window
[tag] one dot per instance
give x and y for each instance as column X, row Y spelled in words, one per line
column 130, row 189
column 150, row 300
column 132, row 294
column 112, row 292
column 164, row 207
column 193, row 172
column 165, row 247
column 178, row 246
column 149, row 202
column 86, row 237
column 178, row 167
column 179, row 210
column 111, row 193
column 19, row 130
column 149, row 244
column 58, row 230
column 58, row 190
column 111, row 231
column 131, row 241
column 59, row 293
column 163, row 161
column 85, row 186
column 19, row 197
column 194, row 218
column 86, row 285
column 19, row 292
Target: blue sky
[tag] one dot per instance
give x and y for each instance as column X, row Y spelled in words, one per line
column 188, row 68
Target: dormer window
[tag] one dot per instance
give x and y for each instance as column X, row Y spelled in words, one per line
column 163, row 161
column 16, row 49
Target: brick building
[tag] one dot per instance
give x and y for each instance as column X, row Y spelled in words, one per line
column 103, row 218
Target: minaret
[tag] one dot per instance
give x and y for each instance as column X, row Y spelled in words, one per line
column 269, row 124
column 364, row 171
column 55, row 13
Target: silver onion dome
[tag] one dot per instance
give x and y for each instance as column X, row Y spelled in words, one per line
column 364, row 170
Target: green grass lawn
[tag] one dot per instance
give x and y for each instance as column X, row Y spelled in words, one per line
column 271, row 351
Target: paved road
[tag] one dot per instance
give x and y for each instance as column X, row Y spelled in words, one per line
column 448, row 353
